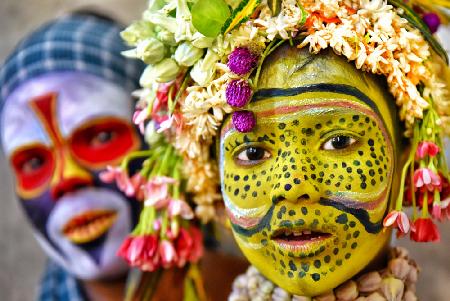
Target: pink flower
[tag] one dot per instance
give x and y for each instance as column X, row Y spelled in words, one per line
column 162, row 93
column 173, row 121
column 189, row 245
column 166, row 124
column 427, row 148
column 436, row 211
column 445, row 212
column 139, row 118
column 183, row 245
column 197, row 247
column 425, row 177
column 398, row 217
column 109, row 175
column 425, row 231
column 118, row 175
column 168, row 254
column 137, row 182
column 141, row 251
column 157, row 191
column 181, row 208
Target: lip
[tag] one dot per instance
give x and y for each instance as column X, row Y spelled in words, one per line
column 89, row 225
column 301, row 241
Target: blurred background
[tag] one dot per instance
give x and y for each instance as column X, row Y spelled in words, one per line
column 21, row 260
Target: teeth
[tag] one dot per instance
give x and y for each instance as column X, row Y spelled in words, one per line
column 297, row 233
column 306, row 232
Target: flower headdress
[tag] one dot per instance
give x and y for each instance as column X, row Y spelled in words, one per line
column 205, row 56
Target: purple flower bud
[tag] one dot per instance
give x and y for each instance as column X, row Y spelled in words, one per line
column 432, row 20
column 238, row 93
column 243, row 121
column 241, row 61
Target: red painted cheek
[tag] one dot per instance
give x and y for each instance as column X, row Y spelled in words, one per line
column 33, row 167
column 104, row 142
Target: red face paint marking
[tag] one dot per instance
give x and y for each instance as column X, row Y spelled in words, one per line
column 45, row 108
column 103, row 141
column 33, row 166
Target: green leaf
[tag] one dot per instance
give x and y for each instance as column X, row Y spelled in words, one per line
column 208, row 16
column 416, row 21
column 240, row 14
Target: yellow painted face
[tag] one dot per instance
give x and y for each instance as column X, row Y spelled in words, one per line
column 306, row 191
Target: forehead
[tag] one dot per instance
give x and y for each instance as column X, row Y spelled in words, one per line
column 80, row 97
column 295, row 72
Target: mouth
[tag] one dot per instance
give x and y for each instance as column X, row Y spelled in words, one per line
column 89, row 225
column 301, row 241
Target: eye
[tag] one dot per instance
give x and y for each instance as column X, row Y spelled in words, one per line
column 338, row 142
column 253, row 155
column 31, row 164
column 104, row 141
column 102, row 137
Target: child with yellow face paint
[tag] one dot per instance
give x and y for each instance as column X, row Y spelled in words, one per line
column 307, row 189
column 310, row 152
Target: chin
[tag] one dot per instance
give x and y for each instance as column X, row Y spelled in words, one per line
column 86, row 229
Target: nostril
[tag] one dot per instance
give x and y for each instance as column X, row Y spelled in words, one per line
column 277, row 199
column 303, row 197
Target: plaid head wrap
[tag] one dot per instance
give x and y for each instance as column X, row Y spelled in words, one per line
column 72, row 43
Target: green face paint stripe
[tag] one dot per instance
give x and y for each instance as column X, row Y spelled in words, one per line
column 360, row 214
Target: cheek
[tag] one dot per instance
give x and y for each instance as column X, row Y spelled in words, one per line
column 364, row 170
column 38, row 210
column 247, row 188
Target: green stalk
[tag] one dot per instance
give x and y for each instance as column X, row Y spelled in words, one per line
column 266, row 52
column 180, row 91
column 399, row 202
column 134, row 155
column 425, row 205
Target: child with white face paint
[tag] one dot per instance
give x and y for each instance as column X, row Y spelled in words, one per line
column 65, row 115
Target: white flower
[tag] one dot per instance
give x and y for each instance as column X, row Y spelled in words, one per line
column 201, row 41
column 150, row 50
column 187, row 54
column 203, row 71
column 163, row 72
column 166, row 37
column 166, row 22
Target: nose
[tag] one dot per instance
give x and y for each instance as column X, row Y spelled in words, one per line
column 295, row 190
column 69, row 176
column 69, row 185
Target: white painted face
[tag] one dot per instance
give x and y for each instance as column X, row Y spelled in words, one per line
column 59, row 131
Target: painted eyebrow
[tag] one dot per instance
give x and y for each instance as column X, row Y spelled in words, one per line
column 333, row 88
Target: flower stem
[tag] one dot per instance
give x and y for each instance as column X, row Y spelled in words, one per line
column 399, row 202
column 425, row 205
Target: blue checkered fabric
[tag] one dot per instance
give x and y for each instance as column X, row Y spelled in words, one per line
column 57, row 285
column 71, row 43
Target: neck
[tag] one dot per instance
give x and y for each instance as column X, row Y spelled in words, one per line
column 105, row 290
